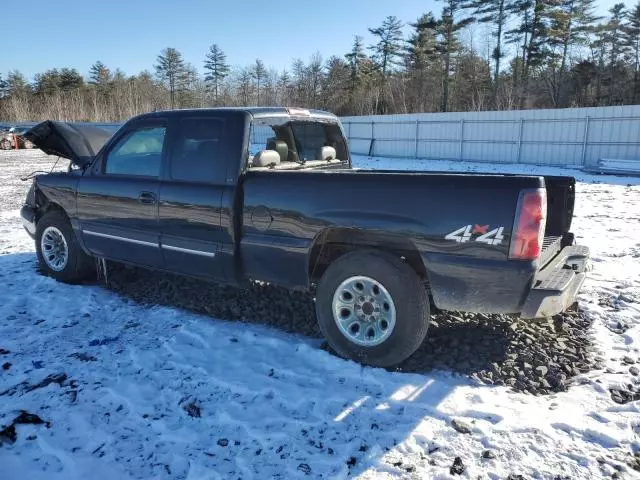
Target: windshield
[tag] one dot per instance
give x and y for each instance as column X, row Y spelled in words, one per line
column 303, row 140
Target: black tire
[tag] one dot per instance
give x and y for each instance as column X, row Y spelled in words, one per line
column 79, row 266
column 5, row 144
column 407, row 292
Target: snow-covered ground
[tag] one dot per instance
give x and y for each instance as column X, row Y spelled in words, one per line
column 138, row 391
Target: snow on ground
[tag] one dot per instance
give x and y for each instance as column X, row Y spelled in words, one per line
column 132, row 391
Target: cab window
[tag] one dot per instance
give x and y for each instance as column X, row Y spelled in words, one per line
column 139, row 153
column 198, row 151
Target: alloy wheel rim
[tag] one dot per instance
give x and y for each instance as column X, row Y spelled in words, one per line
column 364, row 311
column 55, row 251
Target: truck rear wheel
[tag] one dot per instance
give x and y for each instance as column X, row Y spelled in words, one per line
column 372, row 308
column 59, row 253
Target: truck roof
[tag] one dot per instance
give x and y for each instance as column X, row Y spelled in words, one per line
column 255, row 112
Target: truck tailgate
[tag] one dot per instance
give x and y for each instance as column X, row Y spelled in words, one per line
column 560, row 202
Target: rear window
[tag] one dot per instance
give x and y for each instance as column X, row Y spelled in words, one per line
column 303, row 139
column 198, row 151
column 310, row 138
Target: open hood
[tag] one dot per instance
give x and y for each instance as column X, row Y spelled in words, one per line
column 74, row 141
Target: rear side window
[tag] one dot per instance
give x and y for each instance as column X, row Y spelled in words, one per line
column 198, row 151
column 139, row 153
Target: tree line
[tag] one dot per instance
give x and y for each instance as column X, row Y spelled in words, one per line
column 533, row 54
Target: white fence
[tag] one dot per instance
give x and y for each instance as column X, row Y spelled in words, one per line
column 573, row 137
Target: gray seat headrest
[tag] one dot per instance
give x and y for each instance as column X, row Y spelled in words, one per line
column 279, row 146
column 326, row 153
column 266, row 158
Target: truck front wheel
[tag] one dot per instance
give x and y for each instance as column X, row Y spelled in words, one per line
column 59, row 254
column 372, row 308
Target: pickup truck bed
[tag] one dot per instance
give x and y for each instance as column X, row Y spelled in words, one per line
column 378, row 246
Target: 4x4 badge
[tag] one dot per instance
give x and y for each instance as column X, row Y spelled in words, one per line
column 465, row 234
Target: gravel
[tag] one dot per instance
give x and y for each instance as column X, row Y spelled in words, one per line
column 458, row 467
column 488, row 455
column 538, row 357
column 624, row 395
column 460, row 426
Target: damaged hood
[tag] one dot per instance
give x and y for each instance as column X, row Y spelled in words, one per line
column 77, row 142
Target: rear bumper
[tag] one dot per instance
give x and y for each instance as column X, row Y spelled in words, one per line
column 28, row 215
column 556, row 286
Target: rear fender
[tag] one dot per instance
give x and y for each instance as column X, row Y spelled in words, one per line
column 332, row 243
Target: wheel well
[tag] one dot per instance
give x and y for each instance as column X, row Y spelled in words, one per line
column 44, row 205
column 332, row 243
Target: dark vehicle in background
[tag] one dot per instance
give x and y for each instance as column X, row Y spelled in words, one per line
column 13, row 138
column 188, row 191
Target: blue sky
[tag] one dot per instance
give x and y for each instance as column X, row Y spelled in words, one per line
column 129, row 34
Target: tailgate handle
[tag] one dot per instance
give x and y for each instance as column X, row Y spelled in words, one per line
column 147, row 197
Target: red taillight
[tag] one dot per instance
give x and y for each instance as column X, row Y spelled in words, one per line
column 528, row 228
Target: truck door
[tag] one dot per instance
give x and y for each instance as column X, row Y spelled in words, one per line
column 117, row 200
column 190, row 207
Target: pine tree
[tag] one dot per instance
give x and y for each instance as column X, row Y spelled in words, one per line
column 614, row 32
column 532, row 33
column 388, row 50
column 495, row 13
column 631, row 42
column 421, row 57
column 70, row 79
column 259, row 73
column 448, row 44
column 192, row 92
column 16, row 84
column 171, row 70
column 599, row 48
column 284, row 89
column 421, row 46
column 216, row 70
column 3, row 87
column 570, row 23
column 99, row 75
column 299, row 82
column 355, row 59
column 244, row 86
column 47, row 83
column 336, row 85
column 614, row 39
column 315, row 77
column 519, row 36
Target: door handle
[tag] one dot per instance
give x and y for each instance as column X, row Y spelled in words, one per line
column 147, row 197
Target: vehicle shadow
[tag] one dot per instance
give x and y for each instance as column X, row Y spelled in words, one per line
column 493, row 349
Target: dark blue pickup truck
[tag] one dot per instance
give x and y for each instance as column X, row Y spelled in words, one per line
column 196, row 192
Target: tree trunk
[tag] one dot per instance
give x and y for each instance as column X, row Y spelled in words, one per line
column 496, row 73
column 447, row 67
